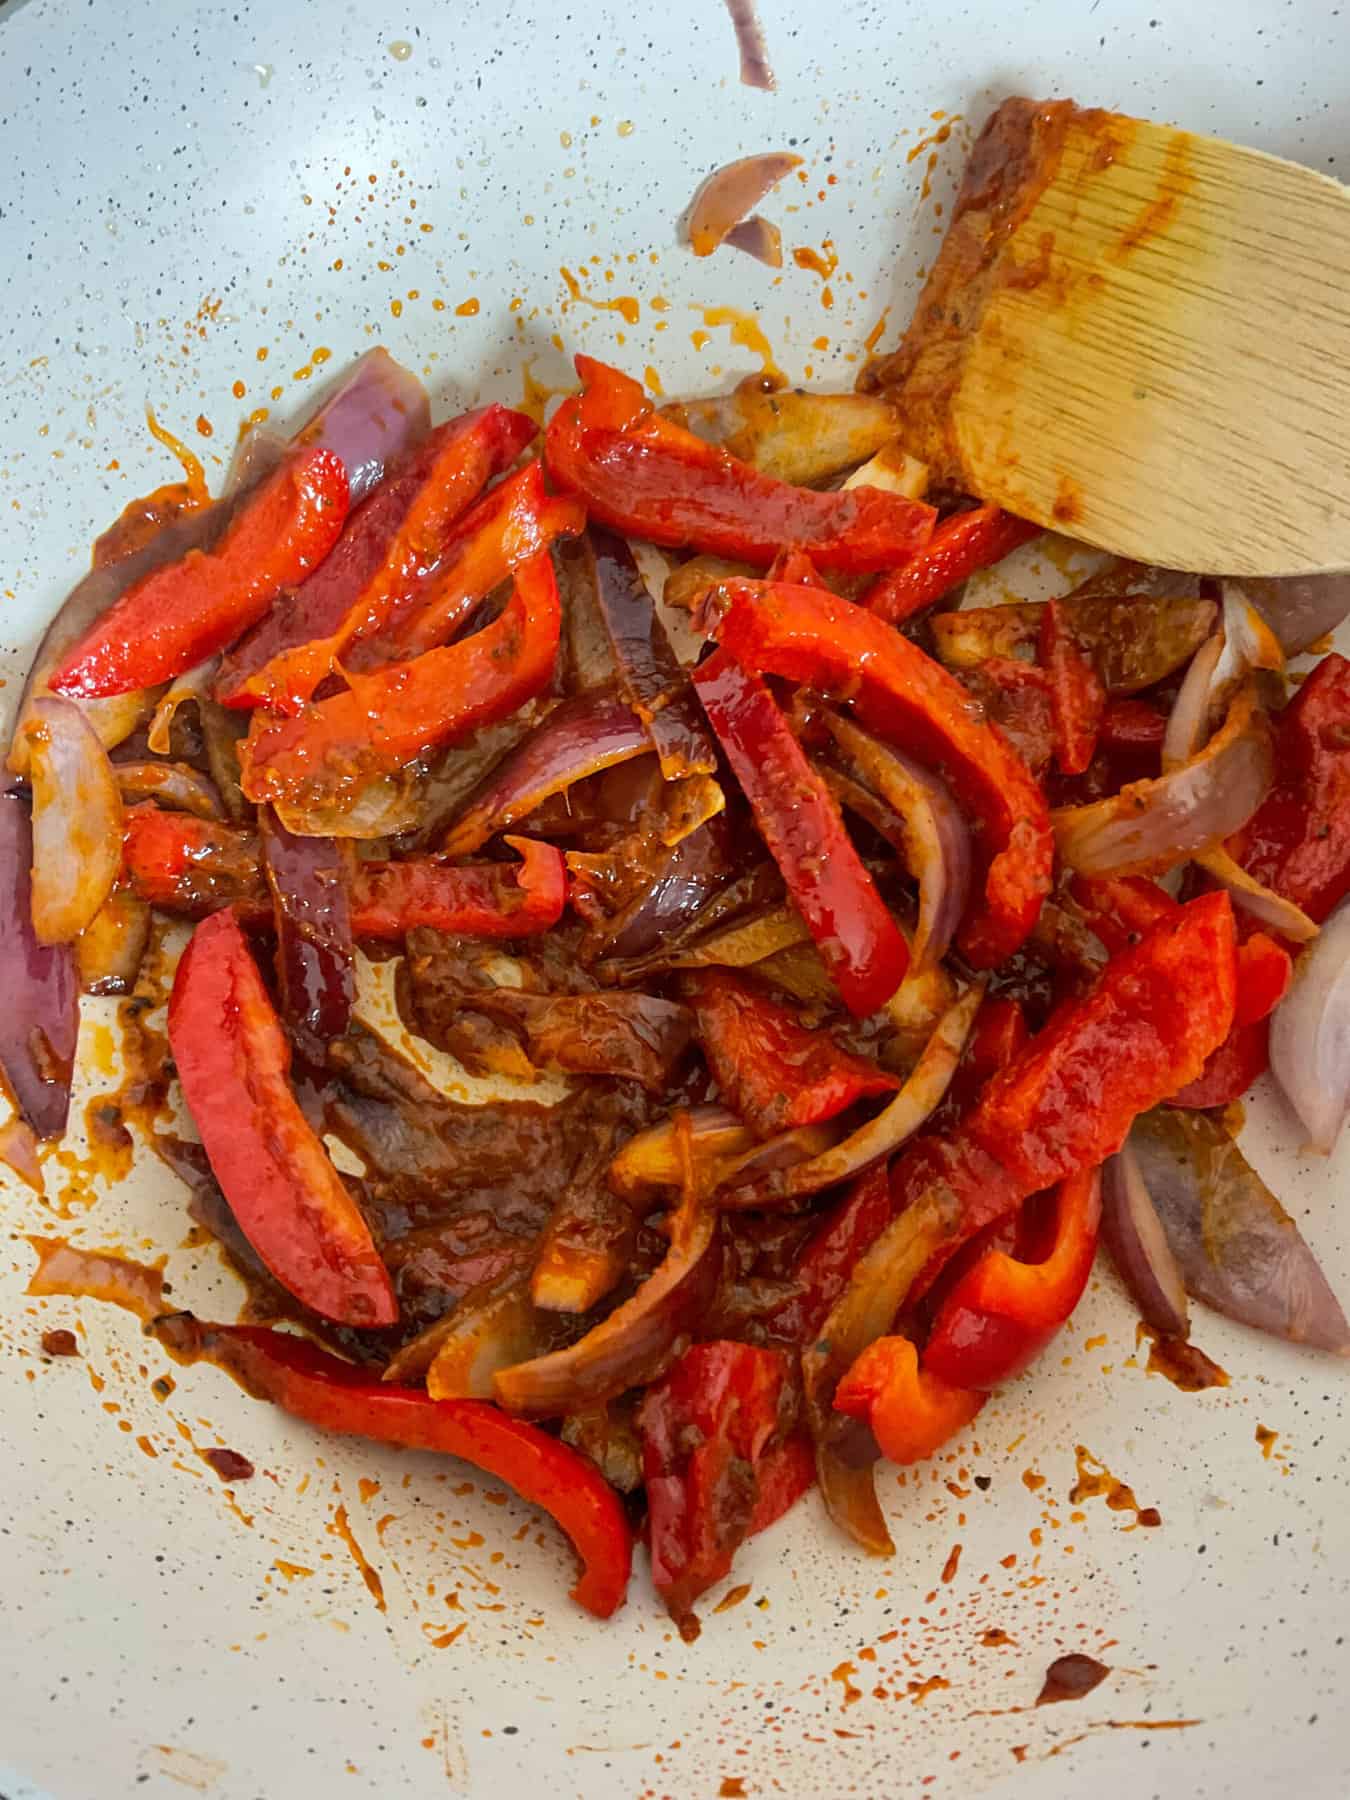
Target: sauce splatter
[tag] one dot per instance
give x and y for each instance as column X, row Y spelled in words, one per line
column 1267, row 1440
column 626, row 305
column 745, row 331
column 952, row 1563
column 732, row 1598
column 340, row 1527
column 467, row 309
column 59, row 1343
column 754, row 53
column 228, row 1464
column 1095, row 1481
column 843, row 1673
column 97, row 1275
column 1183, row 1363
column 1070, row 1678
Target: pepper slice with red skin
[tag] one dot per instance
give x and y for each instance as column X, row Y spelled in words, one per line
column 799, row 820
column 911, row 1411
column 1066, row 1101
column 958, row 547
column 233, row 1061
column 178, row 615
column 1077, row 695
column 335, row 1396
column 710, row 1428
column 1002, row 1312
column 772, row 1071
column 1298, row 840
column 408, row 535
column 195, row 866
column 813, row 637
column 386, row 719
column 648, row 477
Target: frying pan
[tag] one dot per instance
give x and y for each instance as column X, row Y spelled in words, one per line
column 197, row 200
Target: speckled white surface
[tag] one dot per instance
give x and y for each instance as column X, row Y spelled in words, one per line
column 181, row 184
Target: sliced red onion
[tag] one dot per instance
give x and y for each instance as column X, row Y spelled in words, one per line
column 1248, row 644
column 937, row 846
column 795, row 436
column 894, row 471
column 40, row 1018
column 1133, row 1233
column 732, row 192
column 377, row 411
column 758, row 237
column 77, row 819
column 650, row 678
column 881, row 1136
column 193, row 686
column 747, row 941
column 1300, row 608
column 680, row 887
column 656, row 1157
column 1256, row 898
column 634, row 1342
column 1150, row 826
column 1188, row 722
column 865, row 1311
column 384, row 806
column 578, row 738
column 316, row 954
column 110, row 949
column 1237, row 1248
column 1310, row 1034
column 486, row 1333
column 175, row 786
column 1132, row 639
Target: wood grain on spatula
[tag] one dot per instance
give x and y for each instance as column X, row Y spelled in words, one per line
column 1140, row 337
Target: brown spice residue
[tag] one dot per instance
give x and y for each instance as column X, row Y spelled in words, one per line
column 340, row 1527
column 59, row 1343
column 1183, row 1363
column 1070, row 1678
column 228, row 1464
column 97, row 1274
column 995, row 1636
column 1095, row 1481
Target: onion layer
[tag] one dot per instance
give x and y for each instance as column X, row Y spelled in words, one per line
column 1310, row 1034
column 40, row 1019
column 1301, row 608
column 630, row 1346
column 1150, row 826
column 376, row 412
column 731, row 193
column 77, row 819
column 1133, row 1233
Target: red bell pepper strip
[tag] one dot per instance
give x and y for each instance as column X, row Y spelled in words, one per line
column 1077, row 696
column 180, row 614
column 958, row 547
column 708, row 1427
column 785, row 1473
column 1298, row 841
column 912, row 1412
column 509, row 527
column 1067, row 1100
column 648, row 477
column 772, row 1071
column 1120, row 909
column 482, row 900
column 799, row 820
column 394, row 549
column 233, row 1060
column 335, row 1396
column 827, row 1259
column 195, row 866
column 1002, row 1312
column 386, row 719
column 902, row 695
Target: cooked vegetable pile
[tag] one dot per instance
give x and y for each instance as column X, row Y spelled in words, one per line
column 893, row 952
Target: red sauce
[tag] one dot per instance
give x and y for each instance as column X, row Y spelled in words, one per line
column 1070, row 1678
column 59, row 1343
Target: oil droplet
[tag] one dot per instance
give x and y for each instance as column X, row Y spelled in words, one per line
column 626, row 128
column 400, row 49
column 565, row 139
column 238, row 390
column 396, row 307
column 467, row 309
column 626, row 305
column 264, row 72
column 653, row 381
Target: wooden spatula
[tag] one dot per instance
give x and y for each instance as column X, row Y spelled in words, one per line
column 1140, row 337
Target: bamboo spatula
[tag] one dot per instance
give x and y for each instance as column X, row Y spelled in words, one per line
column 1140, row 337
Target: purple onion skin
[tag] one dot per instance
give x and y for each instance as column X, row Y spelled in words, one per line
column 1237, row 1248
column 378, row 411
column 316, row 955
column 1137, row 1243
column 1300, row 608
column 40, row 1019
